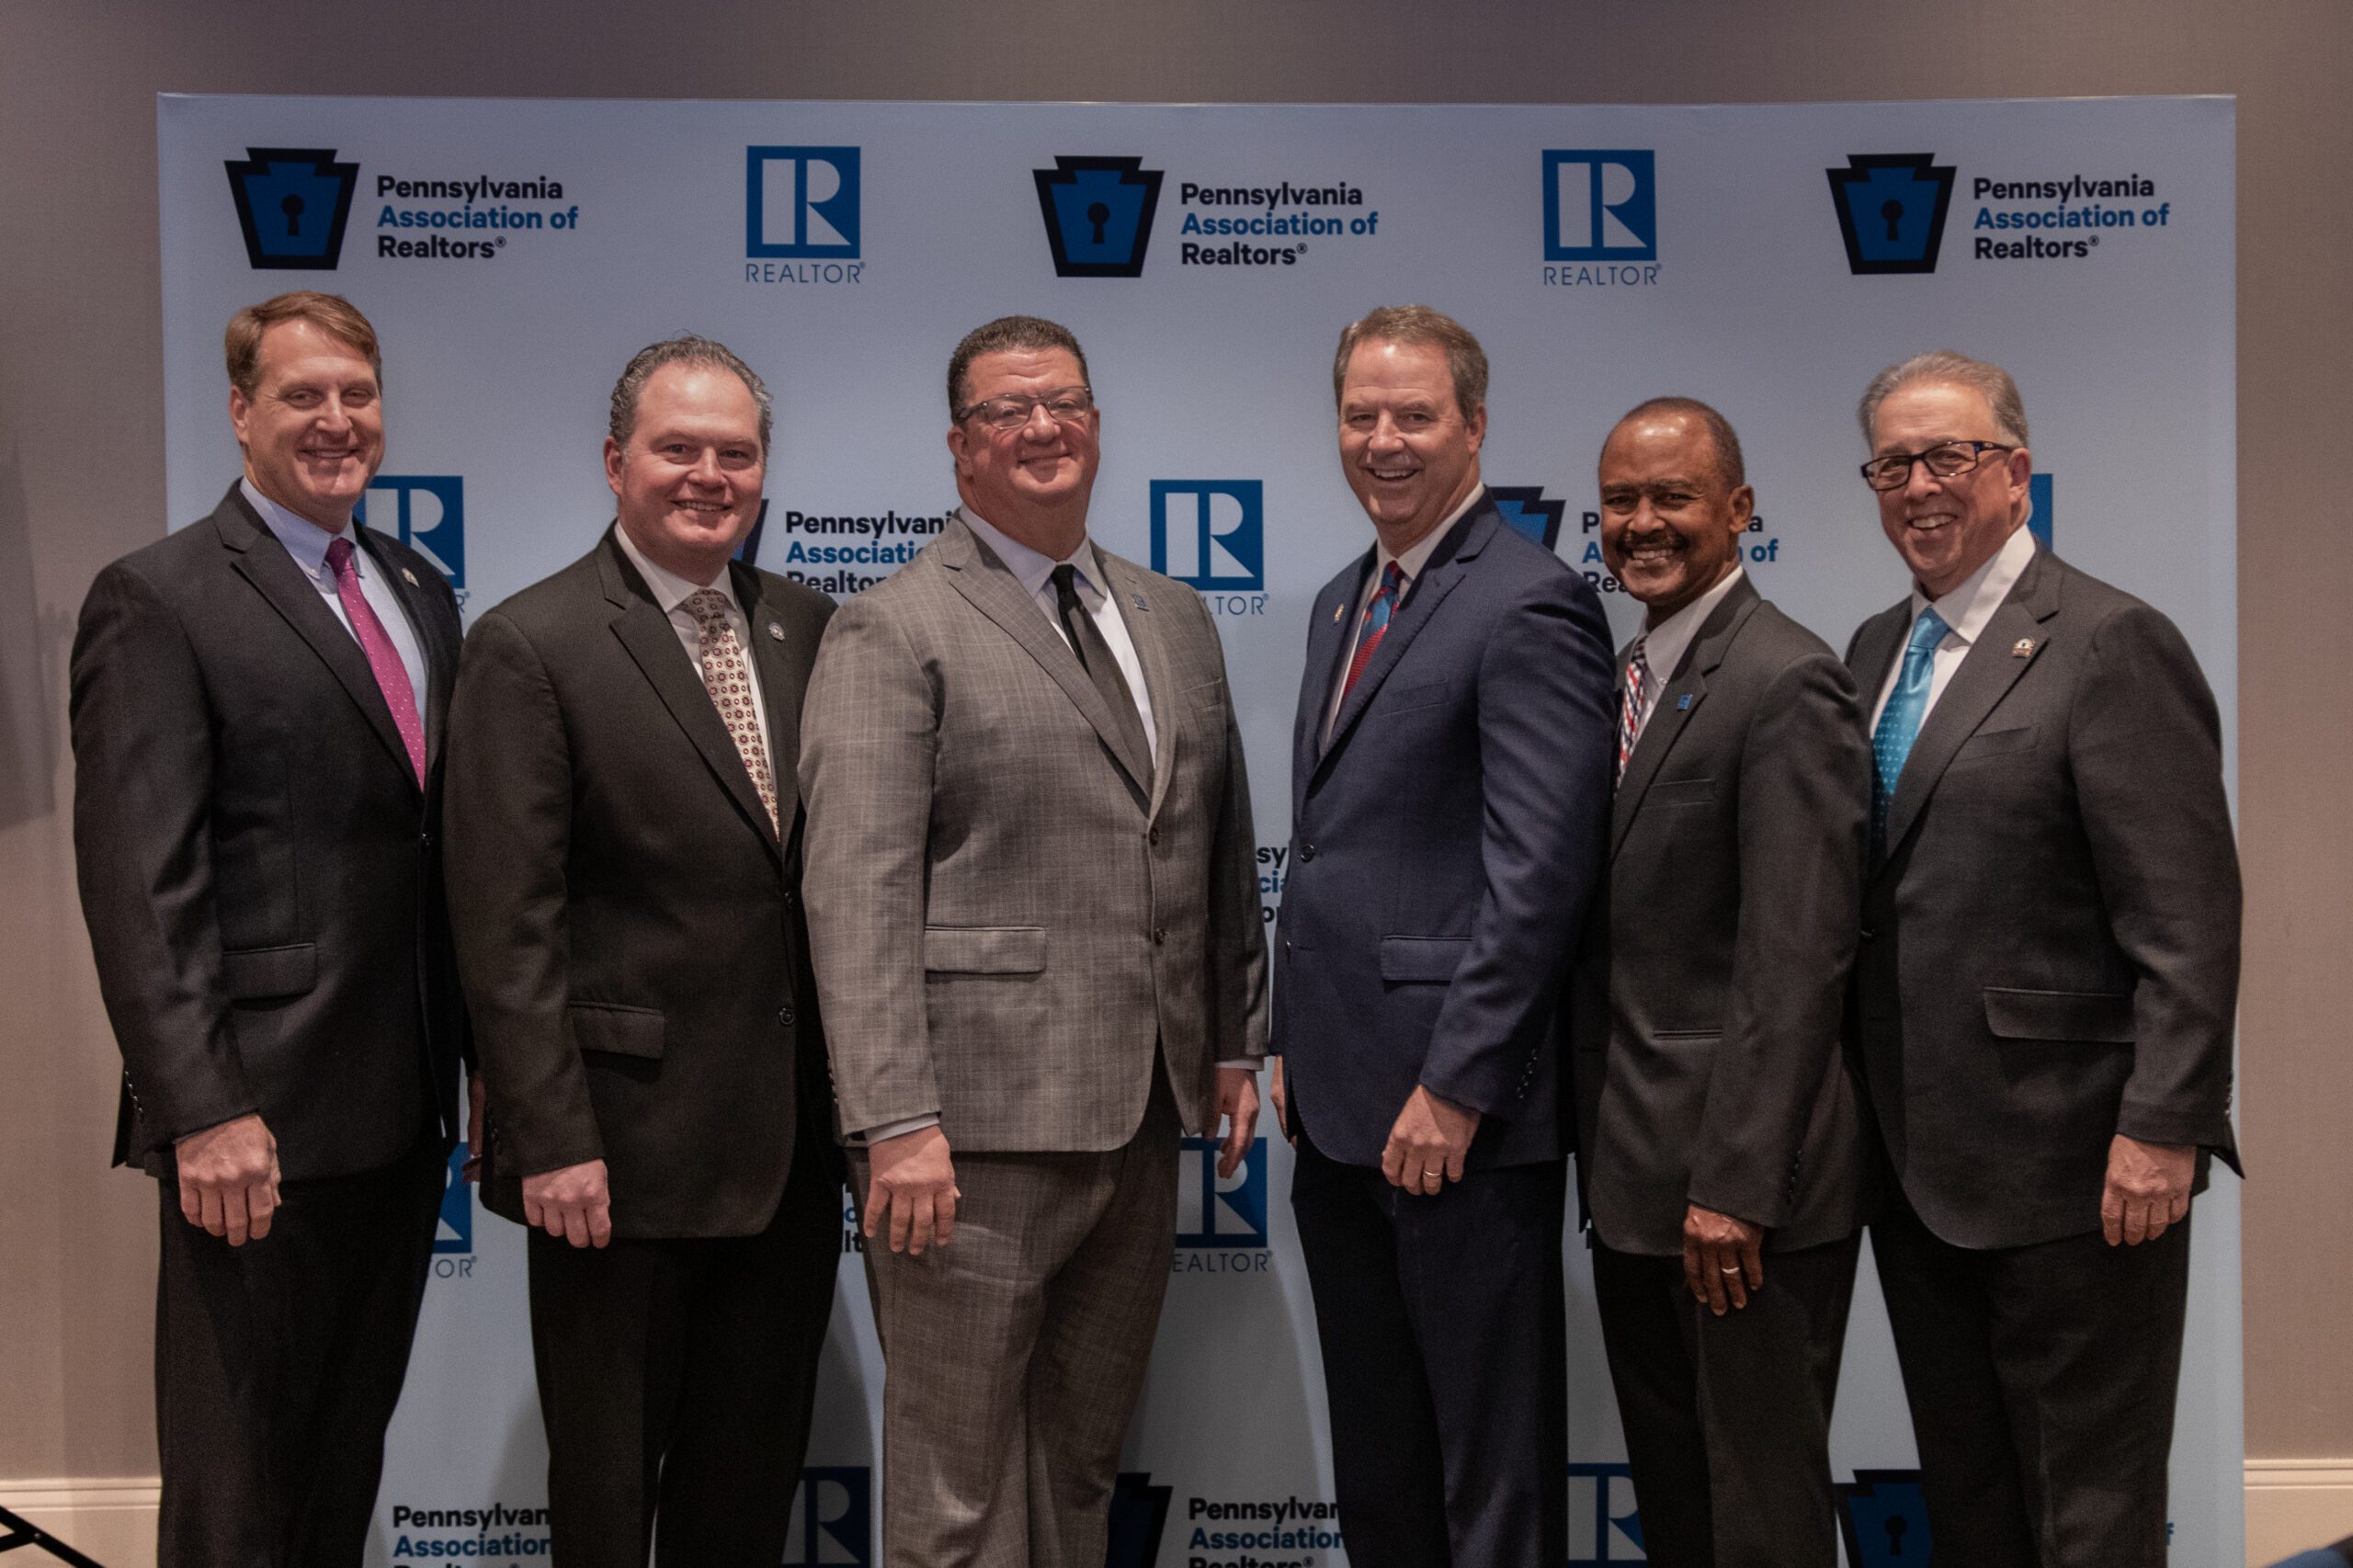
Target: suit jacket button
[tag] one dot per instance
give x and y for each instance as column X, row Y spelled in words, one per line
column 1306, row 852
column 784, row 1016
column 1159, row 935
column 1867, row 933
column 1152, row 836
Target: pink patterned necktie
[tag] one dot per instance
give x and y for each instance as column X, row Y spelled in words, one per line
column 728, row 680
column 391, row 675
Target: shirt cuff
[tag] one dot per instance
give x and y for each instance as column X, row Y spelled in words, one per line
column 899, row 1129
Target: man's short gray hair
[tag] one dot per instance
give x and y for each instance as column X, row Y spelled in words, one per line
column 1988, row 381
column 1465, row 360
column 1731, row 469
column 684, row 349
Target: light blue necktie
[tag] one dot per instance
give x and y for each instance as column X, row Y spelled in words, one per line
column 1898, row 722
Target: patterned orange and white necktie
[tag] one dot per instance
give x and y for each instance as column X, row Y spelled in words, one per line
column 728, row 680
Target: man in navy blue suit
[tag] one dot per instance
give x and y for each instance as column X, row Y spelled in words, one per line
column 1450, row 800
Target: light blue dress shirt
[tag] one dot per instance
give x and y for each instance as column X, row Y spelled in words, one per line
column 307, row 543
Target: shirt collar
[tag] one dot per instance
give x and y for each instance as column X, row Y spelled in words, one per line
column 304, row 540
column 670, row 590
column 1417, row 554
column 1034, row 570
column 1970, row 606
column 1663, row 645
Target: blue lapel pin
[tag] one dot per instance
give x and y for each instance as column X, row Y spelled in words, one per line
column 1139, row 601
column 1683, row 703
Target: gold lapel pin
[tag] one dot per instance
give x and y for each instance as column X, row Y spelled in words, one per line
column 1339, row 610
column 776, row 631
column 2023, row 648
column 408, row 576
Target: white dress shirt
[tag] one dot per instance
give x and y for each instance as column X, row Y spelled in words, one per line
column 671, row 592
column 307, row 543
column 1035, row 571
column 1409, row 571
column 1965, row 611
column 1663, row 645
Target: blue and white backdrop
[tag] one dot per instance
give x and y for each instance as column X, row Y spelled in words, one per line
column 1768, row 259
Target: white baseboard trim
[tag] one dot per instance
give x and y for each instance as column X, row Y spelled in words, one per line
column 111, row 1518
column 2293, row 1505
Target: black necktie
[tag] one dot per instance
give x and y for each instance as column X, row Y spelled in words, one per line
column 1094, row 655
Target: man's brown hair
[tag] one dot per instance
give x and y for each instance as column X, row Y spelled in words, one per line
column 330, row 313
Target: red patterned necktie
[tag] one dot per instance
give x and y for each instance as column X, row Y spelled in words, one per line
column 383, row 659
column 728, row 680
column 1376, row 625
column 1630, row 713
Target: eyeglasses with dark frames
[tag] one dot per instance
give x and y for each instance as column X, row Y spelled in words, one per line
column 1946, row 459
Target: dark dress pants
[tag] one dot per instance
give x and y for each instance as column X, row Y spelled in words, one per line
column 2042, row 1380
column 279, row 1364
column 676, row 1380
column 1727, row 1418
column 1443, row 1326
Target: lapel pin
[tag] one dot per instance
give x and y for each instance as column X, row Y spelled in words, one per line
column 1683, row 703
column 1339, row 610
column 408, row 576
column 776, row 631
column 1139, row 599
column 2023, row 648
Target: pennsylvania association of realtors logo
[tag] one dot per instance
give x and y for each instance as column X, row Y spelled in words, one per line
column 1099, row 215
column 1884, row 1516
column 1139, row 1515
column 1891, row 209
column 425, row 512
column 833, row 1519
column 1600, row 204
column 292, row 203
column 1527, row 509
column 802, row 202
column 1210, row 533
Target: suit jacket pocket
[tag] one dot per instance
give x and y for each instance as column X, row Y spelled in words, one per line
column 255, row 974
column 984, row 949
column 1427, row 693
column 1422, row 961
column 1987, row 743
column 2091, row 1017
column 1666, row 794
column 1209, row 697
column 615, row 1028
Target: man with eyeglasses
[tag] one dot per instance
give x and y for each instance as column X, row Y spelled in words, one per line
column 1033, row 904
column 2043, row 993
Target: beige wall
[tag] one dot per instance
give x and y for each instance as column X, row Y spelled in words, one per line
column 81, row 465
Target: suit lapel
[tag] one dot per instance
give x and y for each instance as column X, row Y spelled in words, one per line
column 264, row 562
column 653, row 644
column 780, row 691
column 1132, row 604
column 1439, row 574
column 1328, row 629
column 990, row 587
column 1685, row 691
column 1988, row 672
column 1877, row 643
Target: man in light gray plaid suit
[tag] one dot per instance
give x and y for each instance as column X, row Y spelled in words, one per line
column 1033, row 907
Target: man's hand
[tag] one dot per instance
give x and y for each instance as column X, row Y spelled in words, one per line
column 1723, row 1258
column 571, row 1204
column 477, row 1123
column 1427, row 1144
column 1237, row 1101
column 2148, row 1189
column 229, row 1178
column 1282, row 1102
column 912, row 1186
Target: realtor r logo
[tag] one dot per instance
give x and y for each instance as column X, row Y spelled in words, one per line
column 291, row 205
column 1099, row 215
column 1221, row 1211
column 1600, row 205
column 426, row 512
column 833, row 1517
column 1891, row 209
column 1210, row 533
column 801, row 202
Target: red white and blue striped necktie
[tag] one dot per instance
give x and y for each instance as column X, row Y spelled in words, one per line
column 1377, row 612
column 1630, row 711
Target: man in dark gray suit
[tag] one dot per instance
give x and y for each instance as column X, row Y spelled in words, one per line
column 258, row 705
column 2045, row 991
column 1717, row 1141
column 625, row 851
column 1450, row 793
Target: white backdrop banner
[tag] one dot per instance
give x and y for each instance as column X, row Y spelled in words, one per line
column 1767, row 259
